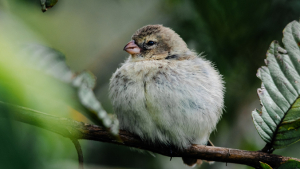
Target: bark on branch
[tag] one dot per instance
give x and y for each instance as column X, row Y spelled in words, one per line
column 79, row 130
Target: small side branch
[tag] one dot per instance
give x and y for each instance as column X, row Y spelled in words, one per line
column 79, row 152
column 268, row 148
column 79, row 130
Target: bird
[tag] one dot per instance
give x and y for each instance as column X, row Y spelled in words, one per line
column 166, row 93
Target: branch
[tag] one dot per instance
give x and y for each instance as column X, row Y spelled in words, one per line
column 79, row 152
column 79, row 130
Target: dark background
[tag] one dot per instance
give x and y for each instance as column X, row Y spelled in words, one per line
column 233, row 34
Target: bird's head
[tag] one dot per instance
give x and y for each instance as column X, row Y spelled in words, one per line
column 156, row 42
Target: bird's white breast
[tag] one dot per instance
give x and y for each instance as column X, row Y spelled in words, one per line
column 169, row 102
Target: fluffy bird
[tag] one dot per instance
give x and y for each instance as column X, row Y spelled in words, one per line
column 164, row 92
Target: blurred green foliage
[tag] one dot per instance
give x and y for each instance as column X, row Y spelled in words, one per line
column 234, row 35
column 290, row 164
column 22, row 145
column 265, row 166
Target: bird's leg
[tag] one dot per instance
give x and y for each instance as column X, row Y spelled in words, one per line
column 171, row 152
column 209, row 143
column 171, row 147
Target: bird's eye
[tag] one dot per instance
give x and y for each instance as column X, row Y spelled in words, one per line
column 150, row 43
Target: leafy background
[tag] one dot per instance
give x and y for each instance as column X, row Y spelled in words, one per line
column 234, row 34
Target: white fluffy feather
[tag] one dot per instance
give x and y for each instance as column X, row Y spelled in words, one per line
column 168, row 101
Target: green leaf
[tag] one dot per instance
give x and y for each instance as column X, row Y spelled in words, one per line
column 265, row 166
column 279, row 119
column 291, row 164
column 85, row 82
column 53, row 63
column 48, row 60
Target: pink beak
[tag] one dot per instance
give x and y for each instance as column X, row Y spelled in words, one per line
column 132, row 48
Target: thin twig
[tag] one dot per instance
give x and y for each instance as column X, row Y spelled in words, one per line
column 79, row 152
column 79, row 130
